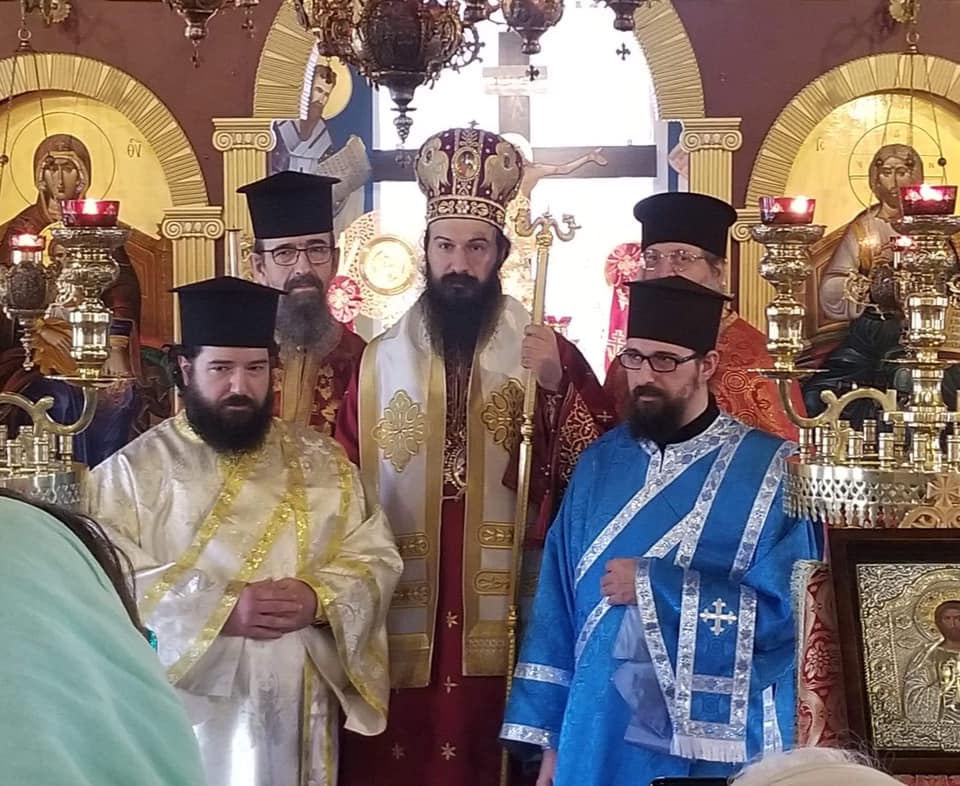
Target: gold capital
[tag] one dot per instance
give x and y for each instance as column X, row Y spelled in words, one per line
column 721, row 133
column 243, row 133
column 244, row 142
column 192, row 231
column 198, row 221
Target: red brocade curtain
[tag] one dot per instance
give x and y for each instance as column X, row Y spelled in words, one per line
column 623, row 265
column 821, row 710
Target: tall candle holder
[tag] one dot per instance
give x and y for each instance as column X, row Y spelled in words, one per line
column 88, row 270
column 879, row 474
column 924, row 270
column 38, row 460
column 786, row 265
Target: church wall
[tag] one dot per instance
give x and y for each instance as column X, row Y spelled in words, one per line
column 145, row 39
column 755, row 55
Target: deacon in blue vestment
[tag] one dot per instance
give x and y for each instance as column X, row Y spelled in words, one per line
column 662, row 638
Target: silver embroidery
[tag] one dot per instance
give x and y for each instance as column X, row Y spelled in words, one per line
column 695, row 520
column 715, row 616
column 744, row 659
column 536, row 672
column 736, row 729
column 529, row 734
column 724, row 740
column 665, row 545
column 712, row 732
column 772, row 740
column 706, row 684
column 687, row 643
column 598, row 613
column 653, row 637
column 676, row 460
column 660, row 549
column 760, row 511
column 649, row 488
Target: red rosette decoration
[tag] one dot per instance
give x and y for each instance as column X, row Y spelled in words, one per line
column 559, row 324
column 345, row 298
column 624, row 264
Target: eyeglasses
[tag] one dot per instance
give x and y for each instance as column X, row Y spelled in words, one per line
column 659, row 361
column 317, row 254
column 679, row 260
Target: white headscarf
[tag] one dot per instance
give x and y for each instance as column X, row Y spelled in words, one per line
column 812, row 767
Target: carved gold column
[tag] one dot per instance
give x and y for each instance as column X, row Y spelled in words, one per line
column 711, row 143
column 244, row 142
column 754, row 292
column 193, row 232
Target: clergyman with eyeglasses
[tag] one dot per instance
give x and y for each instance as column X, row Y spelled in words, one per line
column 685, row 235
column 295, row 250
column 662, row 637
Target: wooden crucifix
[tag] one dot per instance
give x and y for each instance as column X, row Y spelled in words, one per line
column 515, row 114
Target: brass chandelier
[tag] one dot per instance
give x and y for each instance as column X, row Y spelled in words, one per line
column 405, row 44
column 397, row 44
column 196, row 14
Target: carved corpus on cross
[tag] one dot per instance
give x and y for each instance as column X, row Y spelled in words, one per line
column 513, row 82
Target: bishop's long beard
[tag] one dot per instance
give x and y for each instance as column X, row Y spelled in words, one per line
column 303, row 316
column 234, row 425
column 461, row 311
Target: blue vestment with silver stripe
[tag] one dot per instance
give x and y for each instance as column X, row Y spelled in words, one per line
column 699, row 676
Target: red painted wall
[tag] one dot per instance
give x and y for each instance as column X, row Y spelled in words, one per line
column 754, row 55
column 145, row 39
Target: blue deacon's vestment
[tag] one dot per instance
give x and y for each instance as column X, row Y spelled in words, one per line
column 699, row 676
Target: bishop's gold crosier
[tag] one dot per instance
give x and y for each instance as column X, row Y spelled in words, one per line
column 543, row 229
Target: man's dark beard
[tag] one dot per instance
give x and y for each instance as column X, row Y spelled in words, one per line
column 460, row 311
column 229, row 431
column 304, row 318
column 657, row 419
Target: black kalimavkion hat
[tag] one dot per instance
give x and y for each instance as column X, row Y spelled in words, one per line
column 227, row 312
column 675, row 310
column 682, row 217
column 290, row 204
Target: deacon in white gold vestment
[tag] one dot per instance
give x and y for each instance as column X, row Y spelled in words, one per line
column 198, row 526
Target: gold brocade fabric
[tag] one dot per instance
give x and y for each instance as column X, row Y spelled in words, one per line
column 52, row 350
column 301, row 372
column 409, row 423
column 198, row 527
column 310, row 383
column 455, row 440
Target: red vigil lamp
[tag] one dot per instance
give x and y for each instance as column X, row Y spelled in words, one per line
column 902, row 242
column 27, row 243
column 927, row 200
column 787, row 210
column 26, row 248
column 89, row 212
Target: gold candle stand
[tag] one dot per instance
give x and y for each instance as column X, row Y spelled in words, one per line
column 38, row 461
column 879, row 474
